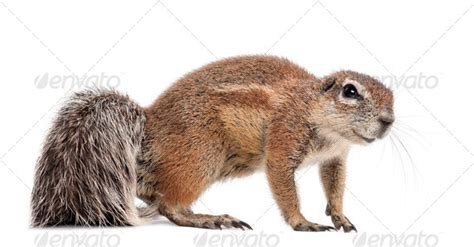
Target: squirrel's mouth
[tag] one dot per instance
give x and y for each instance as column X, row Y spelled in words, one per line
column 368, row 140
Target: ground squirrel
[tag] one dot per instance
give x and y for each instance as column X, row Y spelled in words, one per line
column 226, row 119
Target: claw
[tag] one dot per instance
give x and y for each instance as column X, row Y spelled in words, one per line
column 349, row 228
column 246, row 225
column 238, row 225
column 345, row 224
column 218, row 224
column 329, row 228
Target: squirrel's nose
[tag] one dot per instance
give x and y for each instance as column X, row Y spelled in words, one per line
column 386, row 120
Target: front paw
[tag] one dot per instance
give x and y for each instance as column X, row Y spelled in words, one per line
column 340, row 221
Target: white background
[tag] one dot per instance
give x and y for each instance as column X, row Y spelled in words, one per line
column 421, row 194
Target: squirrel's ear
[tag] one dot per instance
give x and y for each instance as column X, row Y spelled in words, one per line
column 327, row 83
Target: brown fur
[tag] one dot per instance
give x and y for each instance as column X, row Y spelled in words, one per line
column 224, row 120
column 233, row 116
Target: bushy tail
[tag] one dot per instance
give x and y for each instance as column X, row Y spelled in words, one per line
column 86, row 174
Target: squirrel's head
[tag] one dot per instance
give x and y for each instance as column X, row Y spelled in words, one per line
column 359, row 107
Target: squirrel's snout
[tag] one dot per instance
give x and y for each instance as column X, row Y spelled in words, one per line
column 385, row 122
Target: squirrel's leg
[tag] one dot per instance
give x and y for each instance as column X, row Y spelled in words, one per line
column 180, row 213
column 186, row 217
column 333, row 176
column 183, row 179
column 284, row 190
column 283, row 156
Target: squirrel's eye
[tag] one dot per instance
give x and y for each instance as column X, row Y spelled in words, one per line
column 350, row 91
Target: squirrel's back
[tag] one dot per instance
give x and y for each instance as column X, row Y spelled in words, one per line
column 86, row 172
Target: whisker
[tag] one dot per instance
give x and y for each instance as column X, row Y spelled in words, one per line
column 381, row 154
column 412, row 116
column 408, row 127
column 400, row 159
column 412, row 133
column 419, row 142
column 413, row 165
